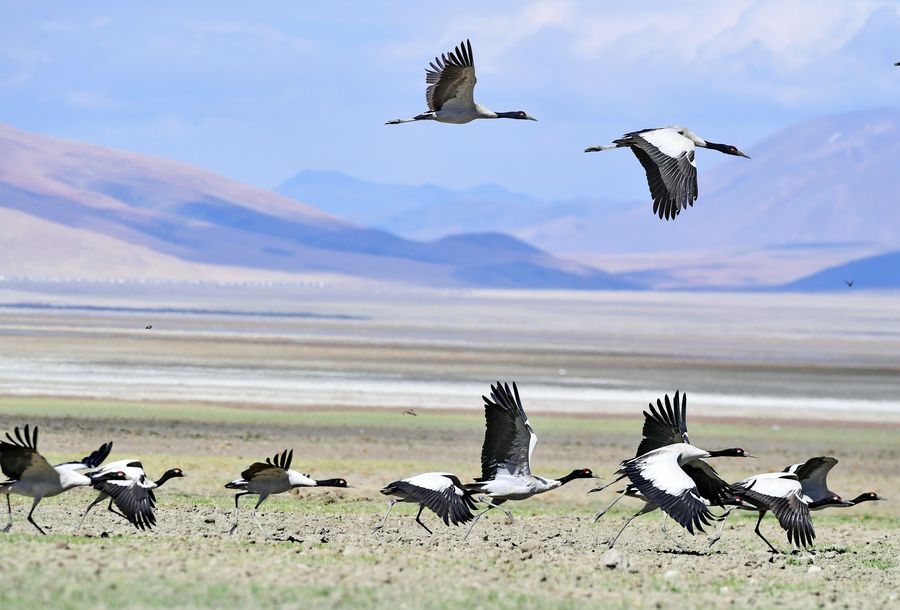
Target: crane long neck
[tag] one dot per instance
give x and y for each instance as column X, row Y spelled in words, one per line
column 569, row 477
column 166, row 476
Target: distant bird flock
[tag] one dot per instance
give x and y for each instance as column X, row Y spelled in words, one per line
column 667, row 473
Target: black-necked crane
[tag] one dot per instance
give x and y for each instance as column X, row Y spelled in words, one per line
column 782, row 494
column 274, row 476
column 667, row 155
column 509, row 442
column 450, row 93
column 134, row 495
column 813, row 475
column 667, row 471
column 664, row 425
column 31, row 475
column 442, row 492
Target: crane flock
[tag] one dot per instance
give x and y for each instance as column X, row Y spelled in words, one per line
column 667, row 473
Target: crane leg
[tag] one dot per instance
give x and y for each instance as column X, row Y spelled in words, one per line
column 114, row 511
column 610, row 484
column 97, row 501
column 384, row 521
column 759, row 533
column 236, row 496
column 475, row 520
column 647, row 508
column 419, row 520
column 418, row 117
column 666, row 533
column 491, row 505
column 715, row 537
column 253, row 514
column 605, row 510
column 9, row 515
column 31, row 513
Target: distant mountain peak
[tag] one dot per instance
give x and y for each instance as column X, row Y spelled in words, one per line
column 163, row 213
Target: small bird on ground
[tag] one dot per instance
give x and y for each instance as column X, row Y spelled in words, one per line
column 410, row 412
column 667, row 155
column 450, row 93
column 31, row 475
column 442, row 492
column 509, row 442
column 133, row 496
column 274, row 476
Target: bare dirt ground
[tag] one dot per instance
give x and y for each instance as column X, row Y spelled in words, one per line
column 75, row 373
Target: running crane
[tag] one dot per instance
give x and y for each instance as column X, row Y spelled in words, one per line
column 31, row 475
column 442, row 492
column 664, row 425
column 509, row 442
column 274, row 476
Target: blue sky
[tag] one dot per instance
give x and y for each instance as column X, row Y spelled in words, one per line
column 258, row 91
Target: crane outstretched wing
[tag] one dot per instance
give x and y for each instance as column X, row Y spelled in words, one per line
column 509, row 440
column 668, row 160
column 19, row 457
column 451, row 79
column 665, row 424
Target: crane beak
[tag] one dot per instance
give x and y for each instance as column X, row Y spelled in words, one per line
column 744, row 155
column 530, row 118
column 750, row 455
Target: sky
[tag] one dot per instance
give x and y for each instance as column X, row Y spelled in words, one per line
column 259, row 91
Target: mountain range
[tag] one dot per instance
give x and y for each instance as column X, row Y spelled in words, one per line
column 817, row 204
column 69, row 209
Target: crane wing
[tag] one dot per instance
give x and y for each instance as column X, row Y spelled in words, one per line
column 659, row 477
column 20, row 459
column 813, row 474
column 134, row 498
column 668, row 160
column 509, row 440
column 451, row 79
column 90, row 461
column 443, row 494
column 665, row 424
column 710, row 485
column 780, row 493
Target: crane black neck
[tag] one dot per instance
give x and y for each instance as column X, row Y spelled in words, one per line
column 869, row 496
column 584, row 473
column 331, row 483
column 165, row 477
column 734, row 452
